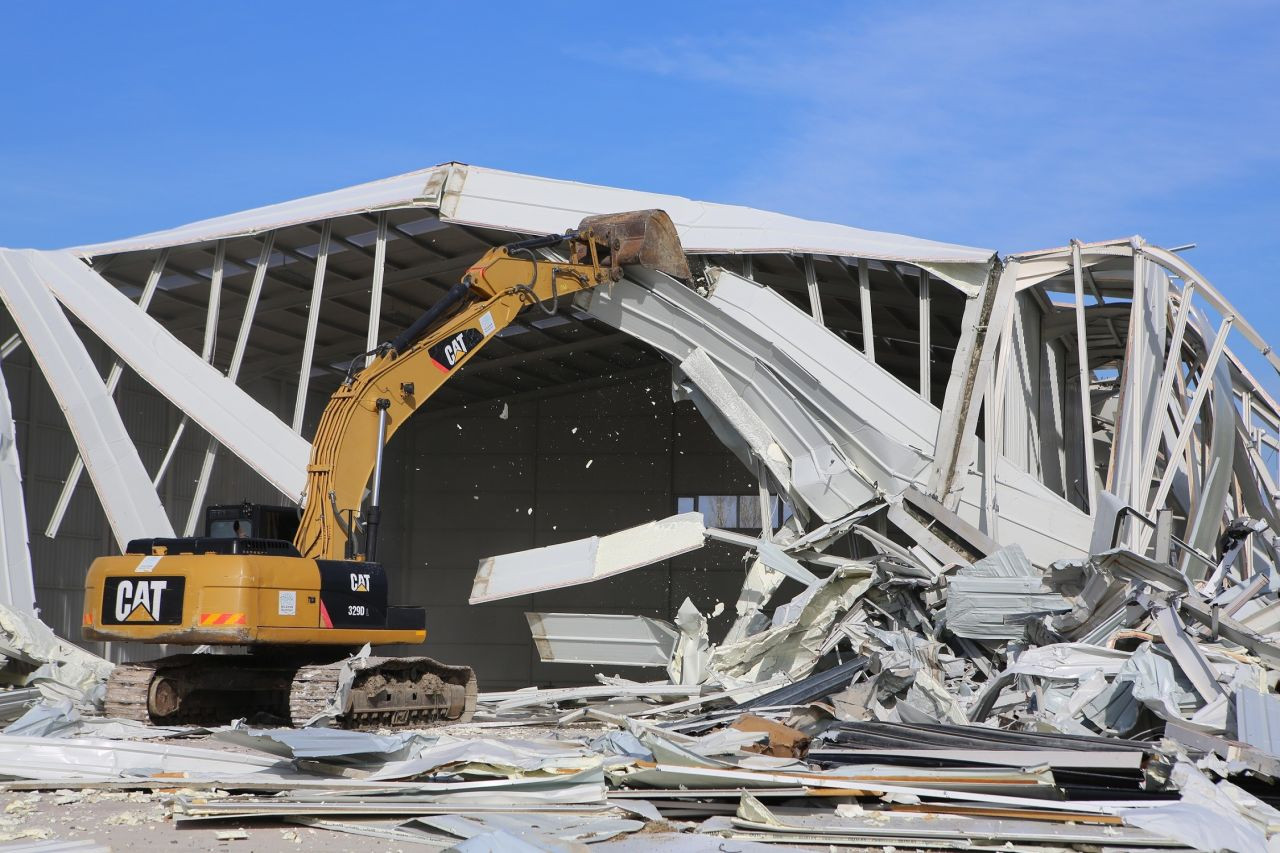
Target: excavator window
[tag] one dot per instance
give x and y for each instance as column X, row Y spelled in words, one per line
column 233, row 529
column 251, row 521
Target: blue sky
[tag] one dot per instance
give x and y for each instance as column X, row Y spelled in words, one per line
column 1006, row 125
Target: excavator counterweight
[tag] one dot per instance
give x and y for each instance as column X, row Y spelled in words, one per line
column 300, row 607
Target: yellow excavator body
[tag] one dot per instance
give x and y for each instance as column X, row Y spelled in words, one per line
column 243, row 600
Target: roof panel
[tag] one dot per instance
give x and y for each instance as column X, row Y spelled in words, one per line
column 489, row 198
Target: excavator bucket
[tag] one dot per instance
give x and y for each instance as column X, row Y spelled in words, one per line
column 646, row 238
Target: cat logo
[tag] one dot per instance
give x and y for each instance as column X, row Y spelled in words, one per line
column 139, row 601
column 448, row 353
column 359, row 583
column 455, row 349
column 143, row 601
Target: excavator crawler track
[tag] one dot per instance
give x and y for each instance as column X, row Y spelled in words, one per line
column 216, row 689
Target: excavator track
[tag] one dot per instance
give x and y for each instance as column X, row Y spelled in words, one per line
column 387, row 693
column 216, row 689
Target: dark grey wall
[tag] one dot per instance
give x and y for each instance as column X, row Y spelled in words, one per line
column 477, row 485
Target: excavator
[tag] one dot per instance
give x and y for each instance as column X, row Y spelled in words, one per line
column 287, row 596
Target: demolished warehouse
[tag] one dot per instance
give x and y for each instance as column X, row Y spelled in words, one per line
column 1080, row 566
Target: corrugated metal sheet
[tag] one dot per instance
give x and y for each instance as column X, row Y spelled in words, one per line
column 602, row 638
column 1258, row 720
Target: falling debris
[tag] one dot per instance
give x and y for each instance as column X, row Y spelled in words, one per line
column 586, row 560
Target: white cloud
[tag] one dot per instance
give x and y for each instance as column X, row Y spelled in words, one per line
column 1012, row 125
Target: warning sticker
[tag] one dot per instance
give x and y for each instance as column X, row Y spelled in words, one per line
column 486, row 323
column 147, row 564
column 288, row 603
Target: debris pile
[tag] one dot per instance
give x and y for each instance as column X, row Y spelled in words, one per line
column 1108, row 701
column 36, row 664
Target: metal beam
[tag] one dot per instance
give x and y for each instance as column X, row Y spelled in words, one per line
column 1172, row 365
column 815, row 297
column 113, row 379
column 994, row 439
column 1189, row 418
column 206, row 351
column 1085, row 381
column 955, row 444
column 233, row 371
column 864, row 303
column 375, row 293
column 926, row 355
column 1137, row 368
column 313, row 320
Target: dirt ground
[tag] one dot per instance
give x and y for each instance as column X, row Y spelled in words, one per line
column 140, row 821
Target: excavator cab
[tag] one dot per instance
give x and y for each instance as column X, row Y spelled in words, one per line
column 251, row 521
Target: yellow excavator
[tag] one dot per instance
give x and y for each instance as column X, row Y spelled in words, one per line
column 302, row 592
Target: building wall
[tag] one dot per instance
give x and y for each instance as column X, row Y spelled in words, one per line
column 556, row 469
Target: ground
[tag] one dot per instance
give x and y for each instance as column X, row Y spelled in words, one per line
column 140, row 821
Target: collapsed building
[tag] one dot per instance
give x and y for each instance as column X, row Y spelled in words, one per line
column 876, row 487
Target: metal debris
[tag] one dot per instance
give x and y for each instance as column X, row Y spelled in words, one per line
column 602, row 638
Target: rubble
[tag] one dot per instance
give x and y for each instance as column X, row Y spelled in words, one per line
column 37, row 664
column 880, row 705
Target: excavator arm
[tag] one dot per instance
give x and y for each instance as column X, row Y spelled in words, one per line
column 404, row 373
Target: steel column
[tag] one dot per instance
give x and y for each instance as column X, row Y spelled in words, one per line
column 1138, row 366
column 1085, row 380
column 864, row 303
column 815, row 298
column 206, row 350
column 926, row 315
column 313, row 320
column 375, row 293
column 1171, row 367
column 992, row 446
column 237, row 358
